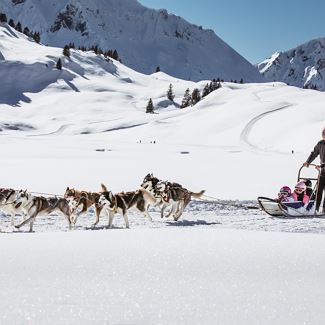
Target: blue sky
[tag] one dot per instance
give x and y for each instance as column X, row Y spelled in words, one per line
column 254, row 28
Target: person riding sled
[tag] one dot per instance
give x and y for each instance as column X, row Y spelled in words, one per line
column 319, row 150
column 299, row 193
column 284, row 195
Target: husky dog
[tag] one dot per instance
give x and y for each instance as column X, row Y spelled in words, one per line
column 150, row 183
column 178, row 196
column 84, row 200
column 121, row 202
column 7, row 203
column 169, row 194
column 39, row 205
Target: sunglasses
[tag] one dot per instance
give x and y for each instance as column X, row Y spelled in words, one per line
column 284, row 193
column 299, row 190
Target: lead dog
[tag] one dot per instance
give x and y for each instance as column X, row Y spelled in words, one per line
column 85, row 200
column 39, row 205
column 121, row 202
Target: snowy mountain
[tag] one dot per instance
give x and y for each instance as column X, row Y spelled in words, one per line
column 303, row 66
column 144, row 38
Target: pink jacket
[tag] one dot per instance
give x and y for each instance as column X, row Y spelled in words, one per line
column 304, row 200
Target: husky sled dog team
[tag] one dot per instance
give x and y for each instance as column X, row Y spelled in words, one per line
column 153, row 192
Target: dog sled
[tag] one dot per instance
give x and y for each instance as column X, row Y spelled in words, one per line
column 296, row 209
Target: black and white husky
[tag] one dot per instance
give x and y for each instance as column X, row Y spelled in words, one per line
column 121, row 202
column 178, row 196
column 169, row 194
column 8, row 202
column 39, row 205
column 150, row 184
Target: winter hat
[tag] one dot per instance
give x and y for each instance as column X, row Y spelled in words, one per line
column 301, row 185
column 285, row 190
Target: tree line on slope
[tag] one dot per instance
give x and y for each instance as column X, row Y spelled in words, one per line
column 189, row 99
column 18, row 27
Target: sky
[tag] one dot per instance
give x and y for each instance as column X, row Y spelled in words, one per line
column 254, row 28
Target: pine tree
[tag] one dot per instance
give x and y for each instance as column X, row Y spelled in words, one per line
column 196, row 97
column 150, row 108
column 186, row 99
column 59, row 64
column 37, row 37
column 115, row 55
column 3, row 18
column 241, row 81
column 206, row 90
column 18, row 27
column 158, row 69
column 66, row 51
column 11, row 23
column 170, row 93
column 26, row 31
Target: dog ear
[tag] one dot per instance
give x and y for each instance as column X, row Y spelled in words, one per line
column 111, row 196
column 67, row 189
column 104, row 188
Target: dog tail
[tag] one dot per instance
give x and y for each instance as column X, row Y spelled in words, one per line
column 104, row 188
column 197, row 195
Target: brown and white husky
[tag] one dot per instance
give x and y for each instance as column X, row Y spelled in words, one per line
column 81, row 201
column 139, row 200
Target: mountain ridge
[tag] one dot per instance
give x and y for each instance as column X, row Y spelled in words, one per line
column 302, row 66
column 144, row 38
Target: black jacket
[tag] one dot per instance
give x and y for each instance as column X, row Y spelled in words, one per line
column 318, row 150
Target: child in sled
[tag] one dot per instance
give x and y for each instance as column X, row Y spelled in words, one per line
column 299, row 194
column 285, row 195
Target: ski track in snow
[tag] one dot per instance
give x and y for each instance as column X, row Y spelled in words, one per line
column 207, row 214
column 249, row 126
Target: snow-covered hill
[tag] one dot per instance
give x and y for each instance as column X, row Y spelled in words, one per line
column 93, row 104
column 303, row 66
column 144, row 38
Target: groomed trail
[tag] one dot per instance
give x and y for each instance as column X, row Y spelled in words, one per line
column 206, row 214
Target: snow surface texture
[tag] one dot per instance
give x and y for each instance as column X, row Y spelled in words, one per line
column 82, row 126
column 174, row 276
column 143, row 37
column 303, row 66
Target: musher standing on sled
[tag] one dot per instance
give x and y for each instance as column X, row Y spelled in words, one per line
column 319, row 150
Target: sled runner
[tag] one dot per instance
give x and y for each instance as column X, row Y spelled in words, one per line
column 295, row 209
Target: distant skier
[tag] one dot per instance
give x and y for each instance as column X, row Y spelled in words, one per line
column 319, row 150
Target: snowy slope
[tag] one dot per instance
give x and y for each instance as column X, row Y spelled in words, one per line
column 94, row 104
column 303, row 66
column 143, row 37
